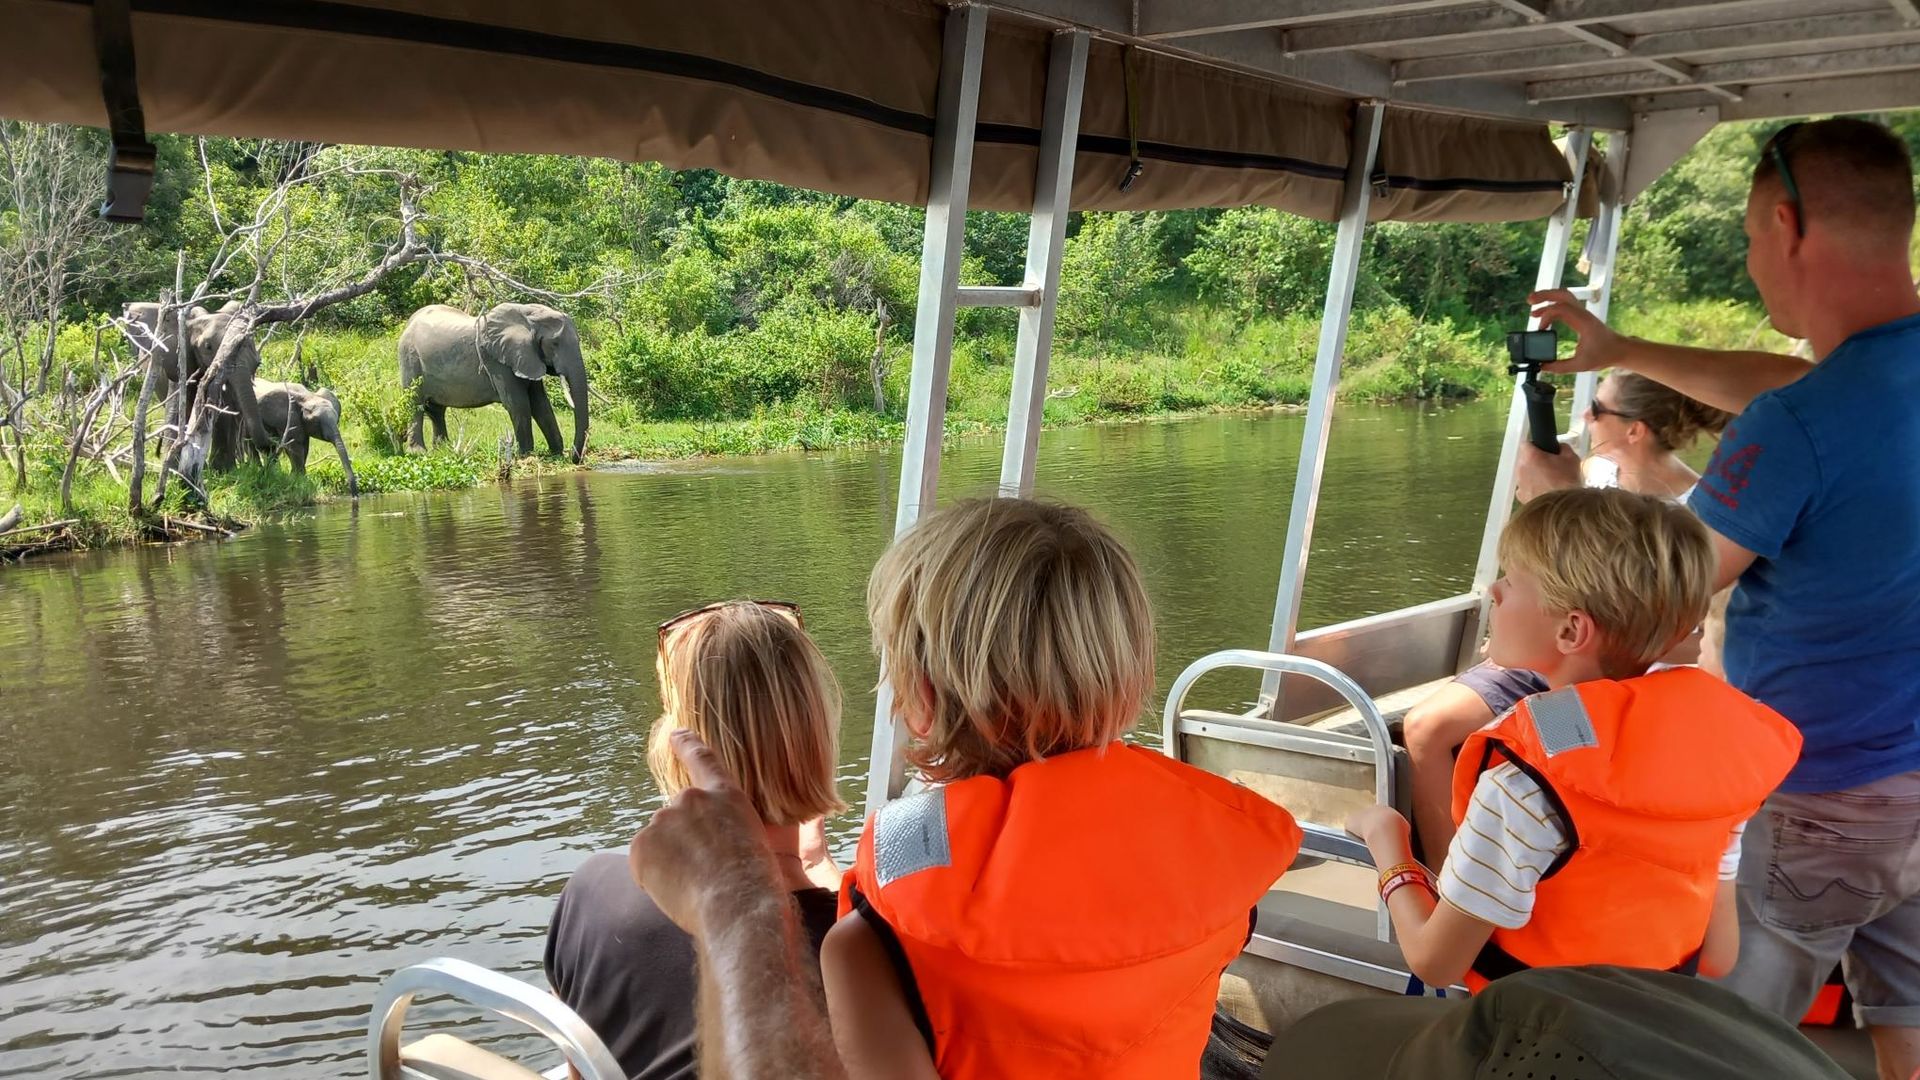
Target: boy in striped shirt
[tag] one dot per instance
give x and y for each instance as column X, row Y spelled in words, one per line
column 1599, row 822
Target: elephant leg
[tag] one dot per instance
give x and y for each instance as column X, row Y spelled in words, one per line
column 522, row 415
column 438, row 414
column 543, row 415
column 297, row 455
column 226, row 450
column 415, row 440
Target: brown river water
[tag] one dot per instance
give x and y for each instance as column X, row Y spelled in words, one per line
column 240, row 783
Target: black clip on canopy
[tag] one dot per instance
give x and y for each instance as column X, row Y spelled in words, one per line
column 131, row 163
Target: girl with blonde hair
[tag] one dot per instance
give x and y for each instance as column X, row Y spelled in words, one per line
column 745, row 677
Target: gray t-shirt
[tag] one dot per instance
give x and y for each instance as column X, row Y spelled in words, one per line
column 619, row 962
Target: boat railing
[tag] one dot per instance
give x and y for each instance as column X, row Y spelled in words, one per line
column 491, row 992
column 1373, row 747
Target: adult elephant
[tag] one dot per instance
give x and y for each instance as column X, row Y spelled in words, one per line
column 460, row 361
column 239, row 427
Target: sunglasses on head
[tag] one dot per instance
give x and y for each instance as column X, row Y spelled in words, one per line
column 785, row 609
column 1777, row 152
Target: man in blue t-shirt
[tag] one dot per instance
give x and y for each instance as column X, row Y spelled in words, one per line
column 1813, row 498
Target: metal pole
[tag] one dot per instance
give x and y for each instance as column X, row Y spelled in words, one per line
column 1326, row 378
column 1600, row 275
column 1046, row 237
column 941, row 248
column 1553, row 263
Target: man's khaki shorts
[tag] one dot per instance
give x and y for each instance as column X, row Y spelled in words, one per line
column 1830, row 876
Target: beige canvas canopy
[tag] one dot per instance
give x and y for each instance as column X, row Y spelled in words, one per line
column 836, row 95
column 1224, row 102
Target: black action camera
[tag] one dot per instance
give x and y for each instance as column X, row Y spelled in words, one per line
column 1527, row 350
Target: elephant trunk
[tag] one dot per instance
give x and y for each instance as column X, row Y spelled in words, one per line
column 346, row 463
column 576, row 382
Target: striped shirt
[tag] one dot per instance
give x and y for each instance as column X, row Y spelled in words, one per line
column 1509, row 837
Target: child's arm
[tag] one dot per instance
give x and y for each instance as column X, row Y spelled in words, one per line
column 1438, row 940
column 1722, row 945
column 871, row 1023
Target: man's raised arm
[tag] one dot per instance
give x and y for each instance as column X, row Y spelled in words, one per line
column 704, row 859
column 1724, row 380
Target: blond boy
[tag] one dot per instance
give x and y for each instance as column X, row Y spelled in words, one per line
column 1599, row 822
column 1062, row 904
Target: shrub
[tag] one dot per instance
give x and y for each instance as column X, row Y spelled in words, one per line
column 1392, row 355
column 1109, row 270
column 1262, row 262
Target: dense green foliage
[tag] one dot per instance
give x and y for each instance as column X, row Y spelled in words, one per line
column 721, row 315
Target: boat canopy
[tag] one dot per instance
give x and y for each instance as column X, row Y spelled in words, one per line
column 1221, row 102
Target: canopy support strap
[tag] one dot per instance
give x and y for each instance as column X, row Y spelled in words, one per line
column 1553, row 264
column 941, row 248
column 1046, row 239
column 1355, row 200
column 130, row 164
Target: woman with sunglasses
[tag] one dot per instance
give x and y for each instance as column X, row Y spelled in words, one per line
column 1637, row 428
column 745, row 677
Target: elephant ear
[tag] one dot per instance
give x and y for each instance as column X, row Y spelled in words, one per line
column 507, row 338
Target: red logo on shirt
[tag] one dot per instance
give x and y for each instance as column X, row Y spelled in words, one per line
column 1731, row 474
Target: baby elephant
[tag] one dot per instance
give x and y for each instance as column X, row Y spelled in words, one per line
column 292, row 414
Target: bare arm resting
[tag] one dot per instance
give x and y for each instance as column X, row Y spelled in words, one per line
column 1724, row 380
column 704, row 859
column 871, row 1021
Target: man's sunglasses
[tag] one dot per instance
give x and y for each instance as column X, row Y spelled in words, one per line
column 783, row 608
column 1777, row 151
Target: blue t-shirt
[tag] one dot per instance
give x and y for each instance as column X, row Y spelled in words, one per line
column 1821, row 480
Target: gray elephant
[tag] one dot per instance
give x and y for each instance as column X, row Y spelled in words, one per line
column 460, row 361
column 240, row 429
column 204, row 329
column 156, row 340
column 291, row 414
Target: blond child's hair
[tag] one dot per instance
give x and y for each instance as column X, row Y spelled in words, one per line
column 1017, row 629
column 1641, row 566
column 755, row 688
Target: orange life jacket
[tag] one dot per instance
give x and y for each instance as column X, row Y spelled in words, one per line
column 1073, row 919
column 1649, row 776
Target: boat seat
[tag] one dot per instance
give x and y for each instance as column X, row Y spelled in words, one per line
column 441, row 1056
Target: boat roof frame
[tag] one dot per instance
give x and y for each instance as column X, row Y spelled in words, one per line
column 1597, row 63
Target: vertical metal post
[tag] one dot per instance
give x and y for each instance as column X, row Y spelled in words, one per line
column 941, row 248
column 1046, row 237
column 1600, row 275
column 1553, row 263
column 1334, row 317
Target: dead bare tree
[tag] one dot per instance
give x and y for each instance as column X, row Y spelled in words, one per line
column 51, row 177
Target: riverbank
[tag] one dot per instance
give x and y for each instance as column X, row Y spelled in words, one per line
column 1220, row 364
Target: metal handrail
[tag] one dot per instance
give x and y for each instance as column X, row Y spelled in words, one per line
column 1332, row 843
column 489, row 991
column 1284, row 664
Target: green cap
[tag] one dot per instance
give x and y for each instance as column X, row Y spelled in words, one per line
column 1580, row 1023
